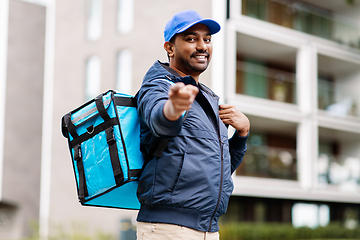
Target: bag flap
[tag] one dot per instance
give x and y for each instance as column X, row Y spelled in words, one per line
column 89, row 110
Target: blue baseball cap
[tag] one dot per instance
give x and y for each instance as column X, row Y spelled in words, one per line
column 184, row 20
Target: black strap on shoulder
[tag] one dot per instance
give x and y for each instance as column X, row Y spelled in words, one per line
column 83, row 192
column 114, row 156
column 125, row 101
column 135, row 173
column 162, row 144
column 156, row 150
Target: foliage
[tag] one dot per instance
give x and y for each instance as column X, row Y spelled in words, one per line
column 253, row 231
column 76, row 232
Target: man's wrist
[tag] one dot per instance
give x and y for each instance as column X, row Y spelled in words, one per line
column 242, row 133
column 169, row 111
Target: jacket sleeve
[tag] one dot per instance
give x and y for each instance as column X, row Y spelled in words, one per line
column 237, row 148
column 151, row 100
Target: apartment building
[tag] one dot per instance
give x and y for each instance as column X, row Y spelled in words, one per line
column 21, row 116
column 291, row 66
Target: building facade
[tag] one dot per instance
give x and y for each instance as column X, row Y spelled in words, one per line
column 22, row 114
column 291, row 66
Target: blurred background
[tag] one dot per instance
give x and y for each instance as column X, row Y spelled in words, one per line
column 293, row 67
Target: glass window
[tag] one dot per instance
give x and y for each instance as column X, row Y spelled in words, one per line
column 93, row 77
column 339, row 160
column 124, row 72
column 125, row 17
column 265, row 69
column 338, row 84
column 351, row 217
column 271, row 151
column 258, row 79
column 94, row 20
column 310, row 215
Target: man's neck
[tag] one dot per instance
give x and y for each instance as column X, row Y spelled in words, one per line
column 182, row 74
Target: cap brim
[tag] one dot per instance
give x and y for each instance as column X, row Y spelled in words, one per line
column 213, row 26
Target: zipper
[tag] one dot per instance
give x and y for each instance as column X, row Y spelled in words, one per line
column 221, row 175
column 217, row 128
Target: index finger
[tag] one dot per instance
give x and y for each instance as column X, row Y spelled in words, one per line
column 194, row 90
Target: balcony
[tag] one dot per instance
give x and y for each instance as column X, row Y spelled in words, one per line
column 269, row 162
column 256, row 78
column 271, row 150
column 338, row 88
column 332, row 20
column 338, row 164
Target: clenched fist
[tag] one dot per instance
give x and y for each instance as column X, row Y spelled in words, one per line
column 181, row 97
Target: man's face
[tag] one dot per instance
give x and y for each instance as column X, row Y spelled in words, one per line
column 192, row 50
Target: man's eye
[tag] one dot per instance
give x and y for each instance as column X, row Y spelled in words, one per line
column 190, row 39
column 208, row 40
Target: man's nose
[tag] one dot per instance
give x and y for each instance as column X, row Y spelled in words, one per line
column 201, row 46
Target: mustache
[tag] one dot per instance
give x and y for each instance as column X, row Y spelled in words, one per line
column 200, row 53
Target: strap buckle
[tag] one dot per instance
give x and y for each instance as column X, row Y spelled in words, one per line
column 110, row 137
column 77, row 152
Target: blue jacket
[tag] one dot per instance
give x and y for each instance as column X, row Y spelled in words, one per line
column 190, row 183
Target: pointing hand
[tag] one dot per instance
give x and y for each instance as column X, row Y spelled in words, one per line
column 181, row 97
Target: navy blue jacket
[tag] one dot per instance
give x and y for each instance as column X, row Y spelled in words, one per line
column 190, row 183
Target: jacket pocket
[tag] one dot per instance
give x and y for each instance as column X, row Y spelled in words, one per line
column 178, row 173
column 167, row 171
column 198, row 183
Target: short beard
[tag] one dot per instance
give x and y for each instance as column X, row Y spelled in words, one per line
column 195, row 68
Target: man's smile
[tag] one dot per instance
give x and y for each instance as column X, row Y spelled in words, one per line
column 200, row 56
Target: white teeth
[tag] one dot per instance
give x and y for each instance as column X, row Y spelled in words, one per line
column 200, row 57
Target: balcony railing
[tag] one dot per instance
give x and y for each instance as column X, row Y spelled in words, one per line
column 269, row 162
column 337, row 100
column 305, row 18
column 342, row 171
column 256, row 79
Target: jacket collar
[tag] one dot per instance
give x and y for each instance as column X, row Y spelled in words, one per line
column 162, row 69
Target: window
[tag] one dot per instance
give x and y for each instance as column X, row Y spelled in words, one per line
column 124, row 72
column 339, row 160
column 271, row 150
column 125, row 16
column 310, row 215
column 268, row 75
column 93, row 77
column 338, row 84
column 94, row 21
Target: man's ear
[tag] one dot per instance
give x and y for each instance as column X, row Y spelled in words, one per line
column 169, row 48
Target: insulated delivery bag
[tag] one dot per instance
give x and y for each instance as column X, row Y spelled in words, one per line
column 104, row 142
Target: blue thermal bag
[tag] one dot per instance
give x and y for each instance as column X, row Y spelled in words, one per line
column 104, row 141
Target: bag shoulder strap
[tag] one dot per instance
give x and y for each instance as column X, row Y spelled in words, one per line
column 160, row 143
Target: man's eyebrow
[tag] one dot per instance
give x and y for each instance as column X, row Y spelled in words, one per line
column 194, row 33
column 189, row 33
